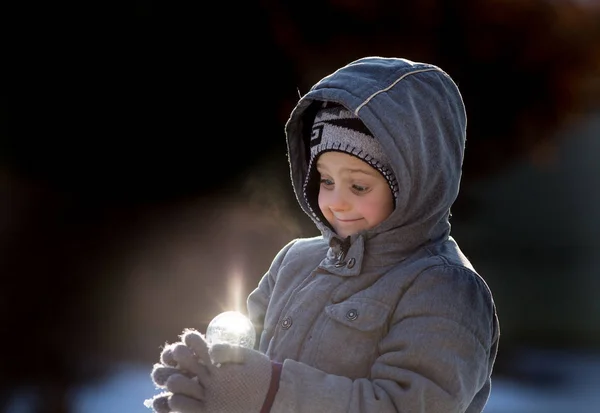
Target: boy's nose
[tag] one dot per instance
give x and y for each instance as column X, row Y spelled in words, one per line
column 338, row 200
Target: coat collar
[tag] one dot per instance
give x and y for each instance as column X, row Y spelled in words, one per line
column 370, row 250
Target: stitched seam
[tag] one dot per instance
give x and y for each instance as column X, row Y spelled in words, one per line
column 391, row 86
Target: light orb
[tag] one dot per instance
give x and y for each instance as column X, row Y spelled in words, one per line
column 231, row 327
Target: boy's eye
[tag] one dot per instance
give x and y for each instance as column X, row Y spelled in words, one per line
column 326, row 182
column 359, row 188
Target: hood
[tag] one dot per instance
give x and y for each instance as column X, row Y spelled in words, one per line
column 416, row 112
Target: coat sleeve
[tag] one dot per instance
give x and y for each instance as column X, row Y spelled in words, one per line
column 258, row 300
column 436, row 357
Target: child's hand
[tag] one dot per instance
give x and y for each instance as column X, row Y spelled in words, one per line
column 198, row 379
column 181, row 372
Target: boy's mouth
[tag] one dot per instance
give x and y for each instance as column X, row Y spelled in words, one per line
column 348, row 220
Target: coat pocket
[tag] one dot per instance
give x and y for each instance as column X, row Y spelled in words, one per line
column 349, row 342
column 362, row 314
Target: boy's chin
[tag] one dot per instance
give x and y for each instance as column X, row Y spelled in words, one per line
column 343, row 233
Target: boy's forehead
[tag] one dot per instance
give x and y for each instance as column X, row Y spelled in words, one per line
column 344, row 162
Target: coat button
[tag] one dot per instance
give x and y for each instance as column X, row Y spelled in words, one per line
column 351, row 263
column 286, row 323
column 352, row 314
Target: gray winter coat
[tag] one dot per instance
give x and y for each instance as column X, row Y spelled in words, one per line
column 399, row 320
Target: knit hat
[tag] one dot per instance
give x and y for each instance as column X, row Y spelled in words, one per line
column 335, row 128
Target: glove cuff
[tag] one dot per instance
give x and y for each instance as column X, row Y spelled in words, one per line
column 273, row 387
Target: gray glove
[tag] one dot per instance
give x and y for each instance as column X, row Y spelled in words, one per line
column 222, row 378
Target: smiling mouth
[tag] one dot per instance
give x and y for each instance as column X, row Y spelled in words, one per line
column 348, row 220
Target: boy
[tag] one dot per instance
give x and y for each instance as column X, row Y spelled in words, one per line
column 382, row 312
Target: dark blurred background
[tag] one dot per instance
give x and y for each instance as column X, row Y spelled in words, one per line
column 144, row 184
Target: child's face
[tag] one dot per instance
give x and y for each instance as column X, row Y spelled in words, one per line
column 353, row 196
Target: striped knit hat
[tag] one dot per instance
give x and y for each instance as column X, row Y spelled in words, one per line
column 335, row 128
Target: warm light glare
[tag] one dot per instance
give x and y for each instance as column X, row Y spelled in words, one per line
column 237, row 296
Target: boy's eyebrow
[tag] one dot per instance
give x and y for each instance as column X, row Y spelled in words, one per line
column 364, row 171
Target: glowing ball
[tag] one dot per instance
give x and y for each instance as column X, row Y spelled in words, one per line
column 231, row 327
